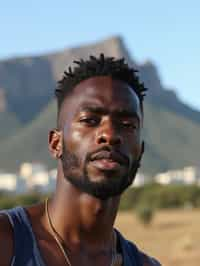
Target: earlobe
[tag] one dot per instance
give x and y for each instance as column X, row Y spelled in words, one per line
column 55, row 143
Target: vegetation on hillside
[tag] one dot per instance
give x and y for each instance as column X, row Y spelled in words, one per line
column 9, row 124
column 171, row 127
column 152, row 196
column 161, row 197
column 167, row 136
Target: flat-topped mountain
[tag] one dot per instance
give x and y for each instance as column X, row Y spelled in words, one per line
column 171, row 127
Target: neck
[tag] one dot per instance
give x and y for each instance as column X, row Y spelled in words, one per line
column 81, row 219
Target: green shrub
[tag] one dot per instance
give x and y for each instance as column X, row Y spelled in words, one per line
column 10, row 201
column 145, row 213
column 161, row 197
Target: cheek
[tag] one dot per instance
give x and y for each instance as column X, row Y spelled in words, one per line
column 132, row 138
column 76, row 141
column 134, row 145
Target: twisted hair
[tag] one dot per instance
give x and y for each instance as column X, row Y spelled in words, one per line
column 99, row 66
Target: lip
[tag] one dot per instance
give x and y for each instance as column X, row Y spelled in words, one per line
column 109, row 157
column 106, row 164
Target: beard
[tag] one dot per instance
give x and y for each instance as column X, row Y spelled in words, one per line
column 79, row 177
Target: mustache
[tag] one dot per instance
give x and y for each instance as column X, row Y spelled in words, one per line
column 107, row 152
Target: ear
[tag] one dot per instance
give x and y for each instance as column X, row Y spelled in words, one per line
column 55, row 143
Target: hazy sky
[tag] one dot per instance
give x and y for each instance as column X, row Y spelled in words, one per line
column 166, row 32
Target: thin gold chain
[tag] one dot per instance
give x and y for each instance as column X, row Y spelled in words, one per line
column 55, row 236
column 54, row 233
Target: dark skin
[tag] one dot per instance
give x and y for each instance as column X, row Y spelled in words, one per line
column 84, row 222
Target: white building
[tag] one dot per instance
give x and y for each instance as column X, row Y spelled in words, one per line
column 32, row 176
column 52, row 179
column 35, row 176
column 8, row 182
column 140, row 180
column 191, row 175
column 187, row 175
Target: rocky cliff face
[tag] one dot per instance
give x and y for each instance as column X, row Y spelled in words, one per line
column 29, row 82
column 28, row 88
column 2, row 101
column 28, row 85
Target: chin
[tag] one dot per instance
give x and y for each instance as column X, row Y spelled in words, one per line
column 101, row 178
column 100, row 175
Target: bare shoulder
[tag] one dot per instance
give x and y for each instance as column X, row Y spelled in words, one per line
column 6, row 241
column 149, row 261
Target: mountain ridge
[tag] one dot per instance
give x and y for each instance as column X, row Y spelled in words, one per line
column 29, row 84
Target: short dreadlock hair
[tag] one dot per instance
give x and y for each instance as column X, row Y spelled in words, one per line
column 101, row 66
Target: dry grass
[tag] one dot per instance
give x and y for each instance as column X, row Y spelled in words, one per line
column 173, row 237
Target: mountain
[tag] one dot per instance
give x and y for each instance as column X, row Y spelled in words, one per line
column 9, row 125
column 162, row 97
column 29, row 82
column 171, row 128
column 8, row 121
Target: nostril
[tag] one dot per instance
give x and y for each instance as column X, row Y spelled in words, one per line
column 102, row 139
column 112, row 140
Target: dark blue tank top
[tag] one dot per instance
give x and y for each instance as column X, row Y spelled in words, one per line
column 26, row 250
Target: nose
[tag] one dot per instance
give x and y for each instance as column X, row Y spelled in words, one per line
column 108, row 134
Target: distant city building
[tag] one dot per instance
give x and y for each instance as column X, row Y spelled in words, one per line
column 36, row 176
column 52, row 179
column 8, row 182
column 140, row 180
column 187, row 175
column 26, row 170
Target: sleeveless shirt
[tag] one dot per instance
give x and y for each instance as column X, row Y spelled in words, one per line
column 27, row 252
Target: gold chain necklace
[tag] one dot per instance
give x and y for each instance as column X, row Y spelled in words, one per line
column 54, row 234
column 115, row 259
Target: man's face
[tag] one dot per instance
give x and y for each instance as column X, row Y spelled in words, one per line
column 100, row 122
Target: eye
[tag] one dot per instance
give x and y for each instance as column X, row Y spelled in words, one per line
column 129, row 125
column 90, row 121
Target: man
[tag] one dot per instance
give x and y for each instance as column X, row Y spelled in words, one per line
column 98, row 147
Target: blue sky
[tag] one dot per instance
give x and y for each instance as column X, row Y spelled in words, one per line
column 166, row 32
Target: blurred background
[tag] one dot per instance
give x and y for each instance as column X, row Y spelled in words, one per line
column 40, row 39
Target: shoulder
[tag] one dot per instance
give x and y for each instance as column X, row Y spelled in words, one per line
column 145, row 259
column 149, row 261
column 131, row 248
column 6, row 240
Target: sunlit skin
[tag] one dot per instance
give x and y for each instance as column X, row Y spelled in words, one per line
column 99, row 111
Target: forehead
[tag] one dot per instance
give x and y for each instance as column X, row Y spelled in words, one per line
column 103, row 91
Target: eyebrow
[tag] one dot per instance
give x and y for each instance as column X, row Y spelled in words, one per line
column 126, row 113
column 121, row 112
column 93, row 109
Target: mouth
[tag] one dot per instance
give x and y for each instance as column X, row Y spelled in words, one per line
column 108, row 161
column 106, row 164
